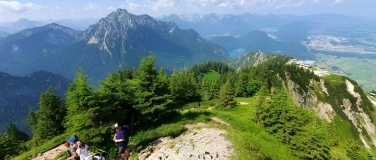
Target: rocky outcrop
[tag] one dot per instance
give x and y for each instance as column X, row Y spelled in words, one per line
column 308, row 99
column 359, row 118
column 325, row 111
column 354, row 112
column 249, row 59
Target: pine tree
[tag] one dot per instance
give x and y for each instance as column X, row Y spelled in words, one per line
column 184, row 87
column 214, row 89
column 82, row 111
column 226, row 96
column 7, row 148
column 11, row 142
column 205, row 88
column 241, row 85
column 49, row 117
column 151, row 98
column 14, row 135
column 116, row 99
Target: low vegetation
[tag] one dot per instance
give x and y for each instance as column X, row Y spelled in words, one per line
column 266, row 125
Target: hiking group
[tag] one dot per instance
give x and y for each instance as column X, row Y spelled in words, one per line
column 81, row 151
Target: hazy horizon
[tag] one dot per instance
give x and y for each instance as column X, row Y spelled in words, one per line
column 40, row 10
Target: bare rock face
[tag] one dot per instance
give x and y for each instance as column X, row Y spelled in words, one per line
column 359, row 118
column 207, row 143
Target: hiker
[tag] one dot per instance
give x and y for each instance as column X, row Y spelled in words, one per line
column 72, row 145
column 198, row 104
column 121, row 138
column 83, row 151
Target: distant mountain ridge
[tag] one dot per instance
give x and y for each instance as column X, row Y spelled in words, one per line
column 7, row 28
column 228, row 24
column 215, row 24
column 21, row 24
column 20, row 94
column 117, row 41
column 258, row 40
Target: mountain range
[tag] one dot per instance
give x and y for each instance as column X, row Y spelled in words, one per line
column 19, row 94
column 7, row 28
column 235, row 25
column 117, row 41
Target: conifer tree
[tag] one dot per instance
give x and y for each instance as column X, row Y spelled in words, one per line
column 116, row 99
column 175, row 86
column 205, row 88
column 14, row 135
column 82, row 111
column 7, row 148
column 11, row 142
column 184, row 87
column 151, row 98
column 214, row 88
column 48, row 119
column 241, row 85
column 226, row 96
column 253, row 86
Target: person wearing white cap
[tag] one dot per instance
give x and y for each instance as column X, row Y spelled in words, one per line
column 121, row 139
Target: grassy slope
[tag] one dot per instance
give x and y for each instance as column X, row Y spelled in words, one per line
column 249, row 140
column 212, row 75
column 44, row 147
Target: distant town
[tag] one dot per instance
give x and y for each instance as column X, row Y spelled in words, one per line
column 308, row 65
column 337, row 44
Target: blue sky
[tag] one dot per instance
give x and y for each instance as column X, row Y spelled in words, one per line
column 77, row 9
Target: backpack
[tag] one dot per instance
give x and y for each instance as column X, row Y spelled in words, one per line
column 127, row 130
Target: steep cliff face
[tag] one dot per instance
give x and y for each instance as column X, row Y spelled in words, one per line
column 339, row 98
column 359, row 118
column 309, row 99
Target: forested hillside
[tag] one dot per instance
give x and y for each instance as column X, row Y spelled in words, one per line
column 18, row 95
column 285, row 119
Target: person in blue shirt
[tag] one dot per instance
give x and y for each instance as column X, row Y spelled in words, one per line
column 121, row 138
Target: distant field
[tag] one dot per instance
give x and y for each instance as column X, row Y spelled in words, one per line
column 212, row 75
column 361, row 70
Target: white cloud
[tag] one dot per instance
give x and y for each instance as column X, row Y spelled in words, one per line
column 223, row 5
column 162, row 4
column 111, row 8
column 91, row 7
column 130, row 6
column 289, row 4
column 165, row 7
column 337, row 2
column 17, row 7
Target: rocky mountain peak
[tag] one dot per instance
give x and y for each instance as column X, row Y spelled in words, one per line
column 118, row 14
column 120, row 22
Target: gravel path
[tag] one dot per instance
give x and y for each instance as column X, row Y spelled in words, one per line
column 50, row 154
column 205, row 143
